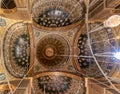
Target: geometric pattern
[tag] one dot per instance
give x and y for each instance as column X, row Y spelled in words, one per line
column 51, row 83
column 85, row 59
column 56, row 13
column 16, row 50
column 54, row 18
column 52, row 51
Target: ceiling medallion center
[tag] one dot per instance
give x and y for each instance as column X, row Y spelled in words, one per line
column 49, row 52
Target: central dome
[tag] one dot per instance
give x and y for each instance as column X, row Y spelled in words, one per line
column 57, row 13
column 52, row 50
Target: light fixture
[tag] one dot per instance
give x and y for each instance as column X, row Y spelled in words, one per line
column 112, row 21
column 117, row 55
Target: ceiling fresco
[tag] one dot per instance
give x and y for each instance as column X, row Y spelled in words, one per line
column 54, row 18
column 85, row 62
column 52, row 50
column 16, row 49
column 55, row 62
column 104, row 44
column 50, row 83
column 57, row 13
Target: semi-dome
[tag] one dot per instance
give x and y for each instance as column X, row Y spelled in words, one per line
column 64, row 83
column 57, row 13
column 16, row 50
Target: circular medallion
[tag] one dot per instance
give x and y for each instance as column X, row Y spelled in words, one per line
column 52, row 50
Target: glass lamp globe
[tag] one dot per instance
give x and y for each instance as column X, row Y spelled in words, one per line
column 112, row 21
column 117, row 55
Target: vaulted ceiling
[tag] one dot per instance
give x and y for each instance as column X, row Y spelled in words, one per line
column 53, row 43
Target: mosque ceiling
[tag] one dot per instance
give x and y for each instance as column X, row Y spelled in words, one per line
column 48, row 41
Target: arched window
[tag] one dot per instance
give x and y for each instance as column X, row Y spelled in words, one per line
column 8, row 4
